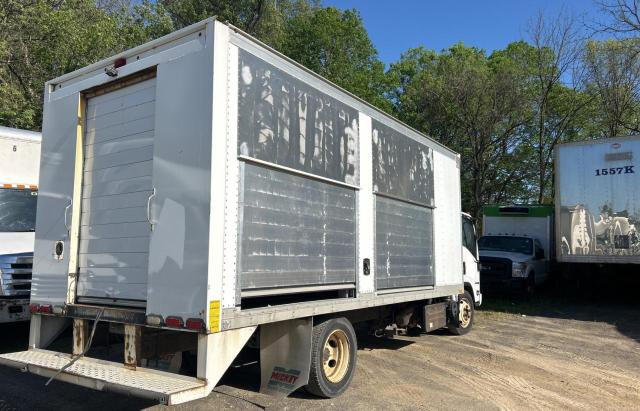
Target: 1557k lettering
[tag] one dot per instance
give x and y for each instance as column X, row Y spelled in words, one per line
column 614, row 170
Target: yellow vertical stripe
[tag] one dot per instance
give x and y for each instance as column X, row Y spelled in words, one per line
column 214, row 316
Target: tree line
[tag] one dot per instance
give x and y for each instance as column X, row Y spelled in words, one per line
column 504, row 111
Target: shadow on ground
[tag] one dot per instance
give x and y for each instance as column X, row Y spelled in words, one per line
column 615, row 302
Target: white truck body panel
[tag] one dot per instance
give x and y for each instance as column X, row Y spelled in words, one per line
column 19, row 156
column 597, row 201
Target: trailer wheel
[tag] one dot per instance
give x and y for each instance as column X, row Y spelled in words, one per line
column 333, row 357
column 466, row 313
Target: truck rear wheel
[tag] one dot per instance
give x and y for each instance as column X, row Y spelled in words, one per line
column 466, row 313
column 333, row 357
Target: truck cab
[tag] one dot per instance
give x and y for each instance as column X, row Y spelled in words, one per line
column 471, row 274
column 516, row 248
column 512, row 262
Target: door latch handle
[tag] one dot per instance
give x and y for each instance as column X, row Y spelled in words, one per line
column 66, row 212
column 153, row 194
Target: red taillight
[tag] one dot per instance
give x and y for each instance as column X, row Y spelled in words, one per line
column 174, row 322
column 33, row 308
column 45, row 309
column 119, row 62
column 196, row 324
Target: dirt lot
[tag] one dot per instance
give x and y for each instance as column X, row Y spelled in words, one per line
column 545, row 354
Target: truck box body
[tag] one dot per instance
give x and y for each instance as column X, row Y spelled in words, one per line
column 210, row 180
column 212, row 170
column 597, row 202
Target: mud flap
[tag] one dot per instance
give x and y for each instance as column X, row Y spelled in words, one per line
column 285, row 356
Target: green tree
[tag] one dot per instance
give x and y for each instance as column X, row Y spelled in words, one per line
column 336, row 45
column 475, row 104
column 613, row 75
column 43, row 39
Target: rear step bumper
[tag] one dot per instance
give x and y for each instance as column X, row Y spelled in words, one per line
column 167, row 388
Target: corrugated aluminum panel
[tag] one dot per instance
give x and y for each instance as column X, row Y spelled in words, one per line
column 295, row 231
column 404, row 244
column 114, row 232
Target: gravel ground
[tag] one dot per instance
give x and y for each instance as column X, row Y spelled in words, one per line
column 537, row 355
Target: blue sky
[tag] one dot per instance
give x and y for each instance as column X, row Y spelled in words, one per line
column 397, row 25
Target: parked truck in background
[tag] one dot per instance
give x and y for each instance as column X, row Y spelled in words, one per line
column 202, row 191
column 19, row 168
column 598, row 208
column 516, row 248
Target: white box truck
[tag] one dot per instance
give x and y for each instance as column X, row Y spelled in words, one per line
column 19, row 167
column 516, row 247
column 597, row 205
column 202, row 189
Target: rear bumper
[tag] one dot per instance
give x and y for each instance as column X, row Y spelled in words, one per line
column 165, row 387
column 14, row 310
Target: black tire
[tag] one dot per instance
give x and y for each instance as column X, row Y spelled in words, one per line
column 320, row 383
column 529, row 287
column 457, row 327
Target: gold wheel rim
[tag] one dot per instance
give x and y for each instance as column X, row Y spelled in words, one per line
column 465, row 313
column 336, row 356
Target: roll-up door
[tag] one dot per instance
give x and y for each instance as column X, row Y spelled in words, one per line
column 114, row 230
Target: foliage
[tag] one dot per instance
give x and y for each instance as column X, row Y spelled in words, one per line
column 505, row 112
column 42, row 39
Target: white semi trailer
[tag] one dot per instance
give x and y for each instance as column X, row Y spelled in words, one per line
column 202, row 189
column 19, row 168
column 597, row 204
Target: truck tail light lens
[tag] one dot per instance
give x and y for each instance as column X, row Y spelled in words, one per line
column 196, row 324
column 45, row 309
column 34, row 308
column 174, row 322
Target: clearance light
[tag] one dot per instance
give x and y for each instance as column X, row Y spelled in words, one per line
column 154, row 320
column 196, row 324
column 174, row 322
column 119, row 62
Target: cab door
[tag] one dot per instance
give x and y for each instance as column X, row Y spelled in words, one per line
column 470, row 256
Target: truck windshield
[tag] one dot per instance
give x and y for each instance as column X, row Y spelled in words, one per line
column 509, row 244
column 17, row 210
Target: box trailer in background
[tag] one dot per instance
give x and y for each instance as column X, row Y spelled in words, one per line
column 202, row 189
column 598, row 201
column 19, row 169
column 516, row 249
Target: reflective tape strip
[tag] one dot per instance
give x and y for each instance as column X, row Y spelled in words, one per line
column 21, row 186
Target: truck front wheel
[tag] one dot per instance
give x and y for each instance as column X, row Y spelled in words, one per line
column 464, row 321
column 333, row 357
